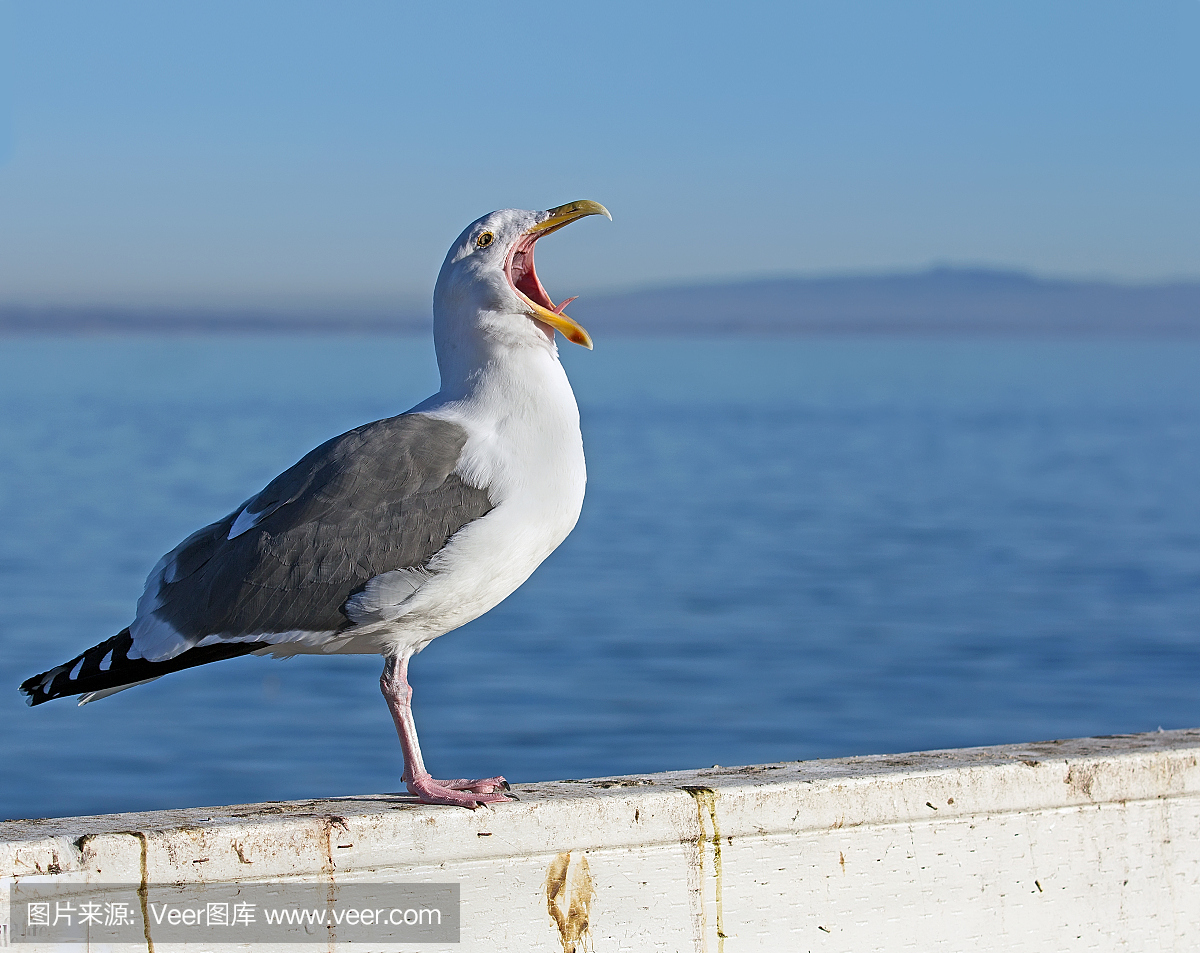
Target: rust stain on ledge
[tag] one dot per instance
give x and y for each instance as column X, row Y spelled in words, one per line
column 143, row 890
column 706, row 803
column 570, row 911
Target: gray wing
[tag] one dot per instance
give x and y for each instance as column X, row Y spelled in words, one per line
column 379, row 498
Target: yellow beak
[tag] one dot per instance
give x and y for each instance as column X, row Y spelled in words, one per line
column 557, row 218
column 566, row 214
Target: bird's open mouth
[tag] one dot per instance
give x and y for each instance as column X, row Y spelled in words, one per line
column 524, row 279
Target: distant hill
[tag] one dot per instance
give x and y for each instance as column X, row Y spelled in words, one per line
column 940, row 300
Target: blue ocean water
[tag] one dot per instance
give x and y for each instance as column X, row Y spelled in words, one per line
column 790, row 549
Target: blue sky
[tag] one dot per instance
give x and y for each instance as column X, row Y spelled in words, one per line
column 316, row 154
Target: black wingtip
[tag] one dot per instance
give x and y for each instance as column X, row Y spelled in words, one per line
column 39, row 689
column 83, row 674
column 79, row 674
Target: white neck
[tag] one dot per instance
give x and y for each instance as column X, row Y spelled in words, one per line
column 471, row 352
column 502, row 380
column 509, row 385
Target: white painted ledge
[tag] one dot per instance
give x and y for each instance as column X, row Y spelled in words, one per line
column 1091, row 844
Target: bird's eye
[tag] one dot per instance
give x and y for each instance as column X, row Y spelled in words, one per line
column 485, row 239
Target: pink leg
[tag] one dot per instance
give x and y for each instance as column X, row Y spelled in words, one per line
column 461, row 792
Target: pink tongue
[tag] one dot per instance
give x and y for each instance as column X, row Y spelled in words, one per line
column 559, row 309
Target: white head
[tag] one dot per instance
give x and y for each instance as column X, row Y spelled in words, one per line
column 488, row 295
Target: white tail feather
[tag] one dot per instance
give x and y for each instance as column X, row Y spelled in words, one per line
column 104, row 693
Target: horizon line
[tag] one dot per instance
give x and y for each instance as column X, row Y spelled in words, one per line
column 409, row 305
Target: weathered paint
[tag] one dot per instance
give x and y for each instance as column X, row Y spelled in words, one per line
column 1086, row 844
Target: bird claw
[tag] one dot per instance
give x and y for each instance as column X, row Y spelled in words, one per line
column 480, row 786
column 461, row 792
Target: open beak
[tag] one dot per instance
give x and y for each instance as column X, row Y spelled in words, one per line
column 524, row 279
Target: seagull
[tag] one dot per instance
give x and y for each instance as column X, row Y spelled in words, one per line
column 398, row 531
